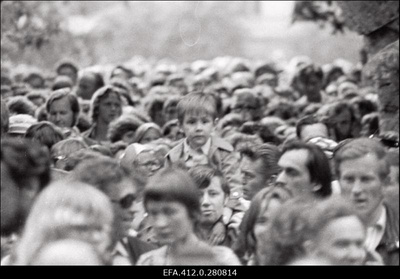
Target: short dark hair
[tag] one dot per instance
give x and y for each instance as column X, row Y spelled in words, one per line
column 45, row 133
column 268, row 154
column 120, row 126
column 26, row 159
column 21, row 105
column 317, row 164
column 203, row 174
column 174, row 184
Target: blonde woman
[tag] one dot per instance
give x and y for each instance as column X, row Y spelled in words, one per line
column 66, row 210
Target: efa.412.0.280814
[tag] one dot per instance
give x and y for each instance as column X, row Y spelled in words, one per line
column 199, row 272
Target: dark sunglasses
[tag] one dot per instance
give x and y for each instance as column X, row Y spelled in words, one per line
column 126, row 202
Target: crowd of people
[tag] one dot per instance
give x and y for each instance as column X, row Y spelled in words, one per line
column 220, row 162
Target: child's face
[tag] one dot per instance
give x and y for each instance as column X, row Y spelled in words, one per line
column 197, row 128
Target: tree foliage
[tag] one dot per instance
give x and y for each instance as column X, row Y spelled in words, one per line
column 29, row 23
column 325, row 13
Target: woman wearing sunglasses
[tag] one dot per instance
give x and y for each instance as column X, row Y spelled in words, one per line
column 172, row 202
column 121, row 188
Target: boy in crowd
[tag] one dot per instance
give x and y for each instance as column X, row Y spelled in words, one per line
column 197, row 114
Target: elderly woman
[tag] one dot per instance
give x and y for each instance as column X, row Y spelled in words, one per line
column 106, row 105
column 63, row 110
column 172, row 202
column 66, row 211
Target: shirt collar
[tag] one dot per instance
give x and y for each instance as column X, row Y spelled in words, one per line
column 120, row 248
column 381, row 223
column 187, row 150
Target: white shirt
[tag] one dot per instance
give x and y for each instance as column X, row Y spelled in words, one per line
column 193, row 157
column 120, row 255
column 376, row 231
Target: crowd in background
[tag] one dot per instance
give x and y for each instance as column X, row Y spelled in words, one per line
column 220, row 162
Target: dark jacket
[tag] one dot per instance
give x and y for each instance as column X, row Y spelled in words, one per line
column 388, row 247
column 137, row 247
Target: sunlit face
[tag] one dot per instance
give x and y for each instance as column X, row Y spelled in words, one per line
column 213, row 200
column 253, row 177
column 150, row 135
column 171, row 220
column 60, row 113
column 360, row 182
column 197, row 128
column 294, row 173
column 123, row 217
column 342, row 241
column 110, row 108
column 263, row 222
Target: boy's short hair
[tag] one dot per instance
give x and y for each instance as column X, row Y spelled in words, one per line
column 195, row 103
column 203, row 174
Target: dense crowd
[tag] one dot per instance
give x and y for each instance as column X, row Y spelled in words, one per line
column 220, row 162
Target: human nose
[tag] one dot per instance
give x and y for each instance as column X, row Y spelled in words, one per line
column 357, row 187
column 281, row 179
column 205, row 200
column 356, row 254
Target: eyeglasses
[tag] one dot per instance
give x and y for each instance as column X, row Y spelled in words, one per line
column 150, row 165
column 126, row 202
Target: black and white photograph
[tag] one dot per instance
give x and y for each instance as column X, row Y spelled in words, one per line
column 201, row 138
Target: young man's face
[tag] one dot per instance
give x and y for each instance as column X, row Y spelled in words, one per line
column 212, row 201
column 294, row 174
column 197, row 128
column 361, row 183
column 110, row 108
column 253, row 177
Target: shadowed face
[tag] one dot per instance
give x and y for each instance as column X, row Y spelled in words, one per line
column 170, row 219
column 197, row 128
column 212, row 202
